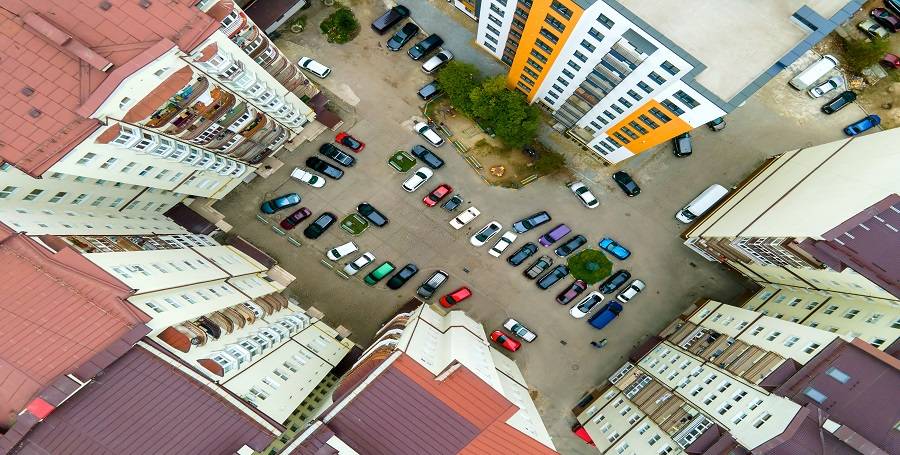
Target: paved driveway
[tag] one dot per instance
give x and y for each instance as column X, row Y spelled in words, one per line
column 561, row 365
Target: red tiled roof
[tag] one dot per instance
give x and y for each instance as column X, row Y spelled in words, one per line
column 57, row 312
column 48, row 68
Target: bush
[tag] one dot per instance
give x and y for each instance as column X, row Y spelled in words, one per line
column 549, row 162
column 862, row 54
column 340, row 26
column 590, row 265
column 458, row 80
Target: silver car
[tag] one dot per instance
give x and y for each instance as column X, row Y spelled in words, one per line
column 519, row 330
column 827, row 86
column 584, row 194
column 354, row 267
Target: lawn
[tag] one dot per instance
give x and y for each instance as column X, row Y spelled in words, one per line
column 402, row 161
column 590, row 265
column 354, row 223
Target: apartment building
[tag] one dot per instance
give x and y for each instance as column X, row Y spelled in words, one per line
column 621, row 76
column 430, row 383
column 726, row 379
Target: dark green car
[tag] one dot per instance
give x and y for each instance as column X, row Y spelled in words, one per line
column 379, row 273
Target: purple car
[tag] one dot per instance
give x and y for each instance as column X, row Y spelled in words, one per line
column 554, row 234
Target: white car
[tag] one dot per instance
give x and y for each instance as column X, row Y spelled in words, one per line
column 586, row 305
column 428, row 133
column 632, row 290
column 827, row 86
column 584, row 194
column 437, row 61
column 508, row 238
column 418, row 178
column 314, row 67
column 465, row 217
column 354, row 267
column 308, row 178
column 484, row 234
column 519, row 330
column 341, row 250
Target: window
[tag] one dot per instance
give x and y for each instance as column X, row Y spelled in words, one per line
column 738, row 418
column 621, row 448
column 57, row 197
column 665, row 450
column 709, row 398
column 810, row 348
column 838, row 375
column 146, row 170
column 656, row 78
column 653, row 439
column 535, row 65
column 773, row 335
column 644, row 428
column 280, row 373
column 613, row 436
column 634, row 95
column 794, row 302
column 814, row 395
column 574, row 65
column 116, row 202
column 723, row 408
column 660, row 115
column 559, row 26
column 670, row 68
column 87, row 158
column 896, row 324
column 618, row 109
column 596, row 34
column 831, row 309
column 638, row 127
column 549, row 35
column 580, row 56
column 625, row 102
column 672, row 107
column 724, row 386
column 686, row 99
column 539, row 56
column 543, row 46
column 607, row 22
column 530, row 72
column 709, row 379
column 646, row 88
column 568, row 74
column 630, row 134
column 851, row 313
column 587, row 45
column 561, row 9
column 32, row 195
column 791, row 341
column 128, row 167
column 877, row 342
column 762, row 420
column 261, row 394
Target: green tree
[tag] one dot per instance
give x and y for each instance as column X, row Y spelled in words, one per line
column 549, row 162
column 862, row 54
column 458, row 80
column 507, row 112
column 590, row 265
column 340, row 26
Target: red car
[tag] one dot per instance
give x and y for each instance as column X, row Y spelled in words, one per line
column 439, row 193
column 890, row 61
column 295, row 218
column 349, row 141
column 455, row 297
column 505, row 340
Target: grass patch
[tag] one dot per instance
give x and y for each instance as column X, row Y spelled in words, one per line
column 340, row 26
column 402, row 161
column 590, row 265
column 354, row 224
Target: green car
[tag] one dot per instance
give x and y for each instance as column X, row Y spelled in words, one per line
column 379, row 273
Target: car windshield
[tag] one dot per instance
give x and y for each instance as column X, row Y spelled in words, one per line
column 588, row 304
column 486, row 232
column 349, row 141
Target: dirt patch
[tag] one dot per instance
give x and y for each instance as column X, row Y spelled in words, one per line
column 515, row 166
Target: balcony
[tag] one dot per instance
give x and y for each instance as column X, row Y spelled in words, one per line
column 178, row 103
column 581, row 135
column 255, row 126
column 220, row 105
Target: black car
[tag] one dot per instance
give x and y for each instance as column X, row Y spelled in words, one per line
column 323, row 167
column 431, row 285
column 372, row 214
column 453, row 203
column 429, row 91
column 614, row 281
column 839, row 102
column 406, row 33
column 320, row 225
column 682, row 144
column 552, row 277
column 522, row 254
column 531, row 221
column 571, row 245
column 626, row 183
column 537, row 267
column 885, row 19
column 431, row 160
column 400, row 278
column 336, row 154
column 893, row 5
column 389, row 19
column 422, row 48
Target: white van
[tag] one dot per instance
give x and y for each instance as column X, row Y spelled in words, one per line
column 701, row 203
column 814, row 72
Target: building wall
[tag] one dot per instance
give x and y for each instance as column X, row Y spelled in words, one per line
column 846, row 282
column 494, row 23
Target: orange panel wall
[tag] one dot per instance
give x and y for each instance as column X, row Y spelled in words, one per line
column 665, row 131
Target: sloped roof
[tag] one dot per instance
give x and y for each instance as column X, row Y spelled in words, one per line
column 57, row 312
column 143, row 405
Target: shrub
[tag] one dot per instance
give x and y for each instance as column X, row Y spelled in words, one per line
column 862, row 54
column 549, row 162
column 340, row 26
column 458, row 80
column 590, row 265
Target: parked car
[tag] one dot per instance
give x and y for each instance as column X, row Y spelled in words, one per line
column 389, row 19
column 465, row 217
column 625, row 182
column 320, row 165
column 418, row 178
column 372, row 214
column 588, row 303
column 575, row 289
column 893, row 6
column 436, row 61
column 839, row 102
column 455, row 297
column 424, row 47
column 314, row 67
column 429, row 91
column 717, row 124
column 558, row 232
column 830, row 84
column 519, row 330
column 402, row 276
column 452, row 203
column 350, row 142
column 428, row 288
column 569, row 246
column 402, row 36
column 308, row 178
column 872, row 29
column 815, row 71
column 336, row 154
column 497, row 336
column 682, row 145
column 428, row 133
column 319, row 225
column 530, row 222
column 614, row 281
column 485, row 233
column 862, row 125
column 379, row 273
column 612, row 247
column 427, row 156
column 340, row 251
column 526, row 251
column 538, row 267
column 890, row 61
column 605, row 315
column 437, row 194
column 295, row 218
column 280, row 203
column 505, row 241
column 886, row 19
column 584, row 194
column 354, row 267
column 631, row 291
column 552, row 277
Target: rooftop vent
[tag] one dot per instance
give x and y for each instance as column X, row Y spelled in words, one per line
column 144, row 3
column 105, row 5
column 34, row 112
column 27, row 91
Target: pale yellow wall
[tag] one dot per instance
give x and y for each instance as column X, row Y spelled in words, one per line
column 847, row 281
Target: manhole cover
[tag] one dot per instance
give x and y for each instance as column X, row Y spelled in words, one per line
column 575, row 367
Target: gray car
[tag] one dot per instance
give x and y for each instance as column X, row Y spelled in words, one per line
column 430, row 286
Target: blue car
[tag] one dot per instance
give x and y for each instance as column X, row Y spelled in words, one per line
column 868, row 122
column 280, row 202
column 610, row 246
column 605, row 315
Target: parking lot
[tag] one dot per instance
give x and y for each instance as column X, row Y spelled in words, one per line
column 560, row 365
